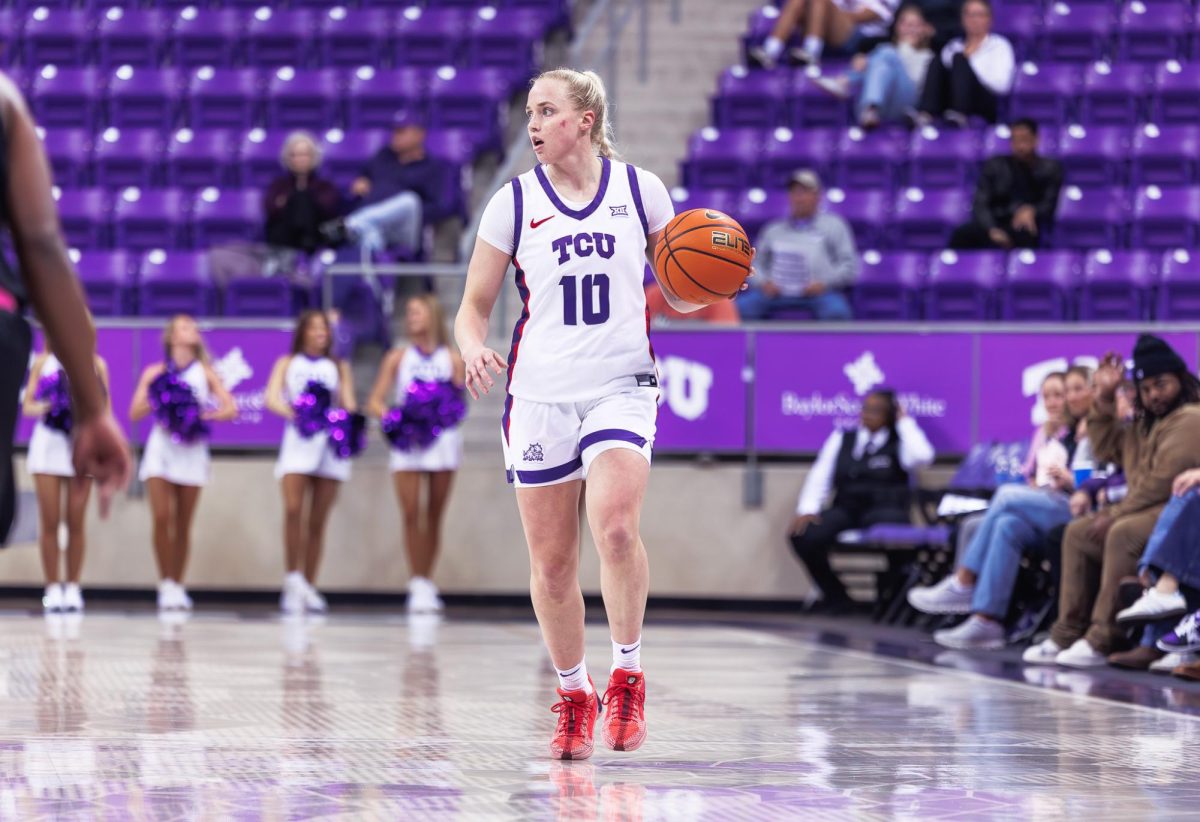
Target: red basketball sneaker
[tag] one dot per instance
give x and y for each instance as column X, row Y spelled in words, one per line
column 625, row 725
column 577, row 712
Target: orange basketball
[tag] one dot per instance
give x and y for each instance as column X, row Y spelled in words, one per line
column 703, row 257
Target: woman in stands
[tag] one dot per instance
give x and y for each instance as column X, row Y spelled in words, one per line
column 422, row 474
column 1018, row 519
column 184, row 394
column 309, row 471
column 47, row 397
column 582, row 390
column 972, row 72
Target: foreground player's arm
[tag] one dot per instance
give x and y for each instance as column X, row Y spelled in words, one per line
column 31, row 407
column 226, row 409
column 276, row 404
column 485, row 276
column 376, row 403
column 139, row 406
column 346, row 386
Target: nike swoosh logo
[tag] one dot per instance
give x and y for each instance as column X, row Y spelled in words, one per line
column 535, row 223
column 630, row 650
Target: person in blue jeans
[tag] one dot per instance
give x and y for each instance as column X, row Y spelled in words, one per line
column 803, row 261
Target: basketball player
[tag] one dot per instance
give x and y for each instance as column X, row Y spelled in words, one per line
column 582, row 390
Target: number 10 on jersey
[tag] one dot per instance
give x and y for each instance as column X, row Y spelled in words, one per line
column 592, row 291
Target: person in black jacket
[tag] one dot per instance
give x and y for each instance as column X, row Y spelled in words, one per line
column 867, row 468
column 299, row 201
column 1016, row 196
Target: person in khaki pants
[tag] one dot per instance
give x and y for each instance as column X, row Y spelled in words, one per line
column 1161, row 441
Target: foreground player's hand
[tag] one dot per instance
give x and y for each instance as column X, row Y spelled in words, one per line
column 101, row 452
column 478, row 379
column 800, row 523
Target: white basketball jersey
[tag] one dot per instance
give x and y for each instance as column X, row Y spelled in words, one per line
column 416, row 365
column 583, row 329
column 302, row 370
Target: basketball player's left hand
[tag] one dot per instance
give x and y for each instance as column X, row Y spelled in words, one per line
column 478, row 379
column 101, row 452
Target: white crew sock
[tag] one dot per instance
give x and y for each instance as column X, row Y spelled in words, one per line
column 814, row 46
column 628, row 657
column 296, row 580
column 773, row 46
column 575, row 678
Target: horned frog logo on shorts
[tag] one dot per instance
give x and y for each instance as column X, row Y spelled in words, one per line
column 534, row 453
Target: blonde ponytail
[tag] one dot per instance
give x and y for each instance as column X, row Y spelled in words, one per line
column 586, row 92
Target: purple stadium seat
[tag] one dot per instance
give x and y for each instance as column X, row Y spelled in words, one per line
column 1166, row 155
column 810, row 106
column 345, row 153
column 504, row 38
column 468, row 98
column 1166, row 216
column 61, row 37
column 866, row 209
column 12, row 24
column 144, row 97
column 1177, row 95
column 1091, row 218
column 962, row 285
column 1117, row 285
column 1155, row 31
column 224, row 98
column 1094, row 155
column 131, row 37
column 261, row 297
column 750, row 99
column 150, row 218
column 756, row 207
column 718, row 199
column 722, row 158
column 871, row 158
column 195, row 159
column 943, row 158
column 279, row 38
column 923, row 219
column 759, row 24
column 226, row 216
column 1179, row 290
column 304, row 98
column 889, row 285
column 1113, row 95
column 1045, row 92
column 355, row 298
column 86, row 216
column 455, row 145
column 176, row 282
column 1076, row 32
column 784, row 151
column 70, row 153
column 128, row 157
column 67, row 97
column 354, row 37
column 429, row 37
column 375, row 96
column 108, row 280
column 1020, row 24
column 207, row 37
column 1040, row 284
column 260, row 152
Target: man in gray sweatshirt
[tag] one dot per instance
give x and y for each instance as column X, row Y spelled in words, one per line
column 803, row 261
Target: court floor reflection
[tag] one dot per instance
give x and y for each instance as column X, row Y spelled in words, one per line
column 119, row 716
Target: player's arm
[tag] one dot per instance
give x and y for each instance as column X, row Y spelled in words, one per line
column 226, row 409
column 485, row 277
column 30, row 406
column 376, row 405
column 276, row 404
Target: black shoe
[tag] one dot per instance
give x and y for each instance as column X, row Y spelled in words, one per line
column 334, row 232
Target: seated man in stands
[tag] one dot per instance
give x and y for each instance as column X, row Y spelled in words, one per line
column 298, row 202
column 846, row 26
column 868, row 469
column 971, row 73
column 396, row 190
column 803, row 261
column 1016, row 196
column 1100, row 550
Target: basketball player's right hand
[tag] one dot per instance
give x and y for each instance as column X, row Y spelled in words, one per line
column 101, row 452
column 478, row 379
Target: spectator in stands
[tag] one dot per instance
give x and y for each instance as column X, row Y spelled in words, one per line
column 398, row 188
column 298, row 202
column 846, row 26
column 803, row 261
column 972, row 74
column 722, row 312
column 1100, row 550
column 868, row 469
column 1016, row 196
column 1019, row 519
column 890, row 78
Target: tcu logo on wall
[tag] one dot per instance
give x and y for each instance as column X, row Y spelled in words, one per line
column 685, row 386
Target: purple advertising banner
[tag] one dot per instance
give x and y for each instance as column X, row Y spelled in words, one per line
column 1012, row 367
column 703, row 398
column 808, row 384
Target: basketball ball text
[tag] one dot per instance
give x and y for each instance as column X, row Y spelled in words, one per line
column 724, row 239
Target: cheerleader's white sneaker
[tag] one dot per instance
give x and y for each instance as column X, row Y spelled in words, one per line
column 423, row 597
column 52, row 599
column 72, row 598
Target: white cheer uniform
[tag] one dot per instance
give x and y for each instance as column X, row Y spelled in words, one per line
column 179, row 462
column 581, row 375
column 49, row 449
column 444, row 453
column 312, row 457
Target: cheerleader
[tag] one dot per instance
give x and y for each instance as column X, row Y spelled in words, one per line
column 175, row 465
column 47, row 397
column 308, row 470
column 428, row 358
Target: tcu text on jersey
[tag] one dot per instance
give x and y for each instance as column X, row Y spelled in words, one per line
column 585, row 245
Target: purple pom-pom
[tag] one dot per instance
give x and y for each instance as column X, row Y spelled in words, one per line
column 53, row 390
column 176, row 408
column 430, row 408
column 347, row 433
column 311, row 408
